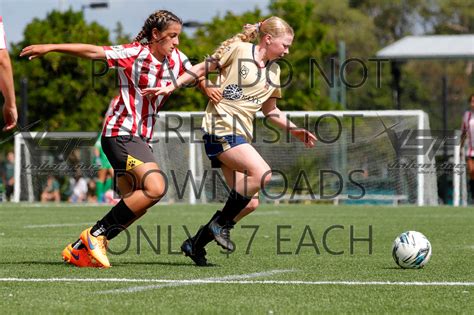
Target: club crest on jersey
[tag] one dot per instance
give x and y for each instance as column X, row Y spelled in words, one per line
column 244, row 71
column 117, row 48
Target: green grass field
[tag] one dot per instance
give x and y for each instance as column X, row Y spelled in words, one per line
column 32, row 238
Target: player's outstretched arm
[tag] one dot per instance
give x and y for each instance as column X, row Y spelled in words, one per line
column 79, row 50
column 7, row 88
column 196, row 71
column 273, row 113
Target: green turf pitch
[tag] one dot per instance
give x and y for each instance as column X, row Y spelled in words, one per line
column 32, row 237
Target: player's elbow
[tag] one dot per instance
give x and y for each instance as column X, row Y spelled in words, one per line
column 4, row 59
column 203, row 68
column 96, row 52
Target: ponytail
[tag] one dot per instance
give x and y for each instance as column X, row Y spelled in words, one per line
column 273, row 26
column 249, row 34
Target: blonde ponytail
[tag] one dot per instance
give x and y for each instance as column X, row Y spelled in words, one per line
column 249, row 34
column 274, row 26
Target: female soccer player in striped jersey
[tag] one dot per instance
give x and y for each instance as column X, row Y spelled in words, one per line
column 151, row 60
column 250, row 81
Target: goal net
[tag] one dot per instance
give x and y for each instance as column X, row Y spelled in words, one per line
column 361, row 157
column 62, row 155
column 376, row 157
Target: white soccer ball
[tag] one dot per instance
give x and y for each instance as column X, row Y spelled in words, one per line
column 411, row 250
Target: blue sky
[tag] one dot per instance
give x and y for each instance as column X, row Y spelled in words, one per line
column 18, row 13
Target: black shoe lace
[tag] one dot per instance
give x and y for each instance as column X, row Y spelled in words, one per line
column 226, row 231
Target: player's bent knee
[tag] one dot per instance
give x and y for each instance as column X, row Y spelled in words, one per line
column 253, row 204
column 155, row 187
column 265, row 178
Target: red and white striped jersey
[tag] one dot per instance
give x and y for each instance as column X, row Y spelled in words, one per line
column 3, row 38
column 130, row 113
column 468, row 128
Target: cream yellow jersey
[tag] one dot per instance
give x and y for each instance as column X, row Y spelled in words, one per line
column 245, row 87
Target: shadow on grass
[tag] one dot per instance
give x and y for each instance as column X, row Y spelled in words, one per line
column 32, row 263
column 160, row 263
column 117, row 264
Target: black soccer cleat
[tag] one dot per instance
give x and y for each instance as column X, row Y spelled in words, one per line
column 221, row 234
column 198, row 255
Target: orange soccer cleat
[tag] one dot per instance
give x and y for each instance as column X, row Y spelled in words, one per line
column 78, row 257
column 96, row 246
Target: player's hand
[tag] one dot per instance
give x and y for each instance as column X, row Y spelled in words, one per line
column 34, row 51
column 10, row 116
column 305, row 136
column 165, row 90
column 214, row 94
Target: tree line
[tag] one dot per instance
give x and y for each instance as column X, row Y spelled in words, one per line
column 65, row 94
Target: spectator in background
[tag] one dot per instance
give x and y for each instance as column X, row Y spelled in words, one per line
column 51, row 190
column 105, row 174
column 467, row 129
column 79, row 191
column 7, row 87
column 91, row 191
column 8, row 173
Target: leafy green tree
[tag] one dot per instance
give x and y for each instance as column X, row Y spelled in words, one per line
column 451, row 17
column 65, row 94
column 311, row 42
column 395, row 19
column 357, row 31
column 62, row 90
column 120, row 36
column 421, row 80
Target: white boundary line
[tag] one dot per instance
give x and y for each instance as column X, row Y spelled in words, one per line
column 233, row 280
column 56, row 225
column 196, row 282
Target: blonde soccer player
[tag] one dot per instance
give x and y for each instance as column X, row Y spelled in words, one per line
column 152, row 60
column 249, row 81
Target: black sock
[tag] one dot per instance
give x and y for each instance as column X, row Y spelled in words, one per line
column 235, row 203
column 471, row 188
column 114, row 222
column 203, row 235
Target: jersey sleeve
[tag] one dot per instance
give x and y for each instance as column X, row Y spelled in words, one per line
column 276, row 93
column 3, row 39
column 184, row 62
column 121, row 56
column 229, row 54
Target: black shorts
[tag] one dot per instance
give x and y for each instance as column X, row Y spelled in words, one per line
column 215, row 145
column 125, row 152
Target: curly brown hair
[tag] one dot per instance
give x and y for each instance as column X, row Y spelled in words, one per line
column 160, row 20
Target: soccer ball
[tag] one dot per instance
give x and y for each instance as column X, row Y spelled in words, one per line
column 411, row 250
